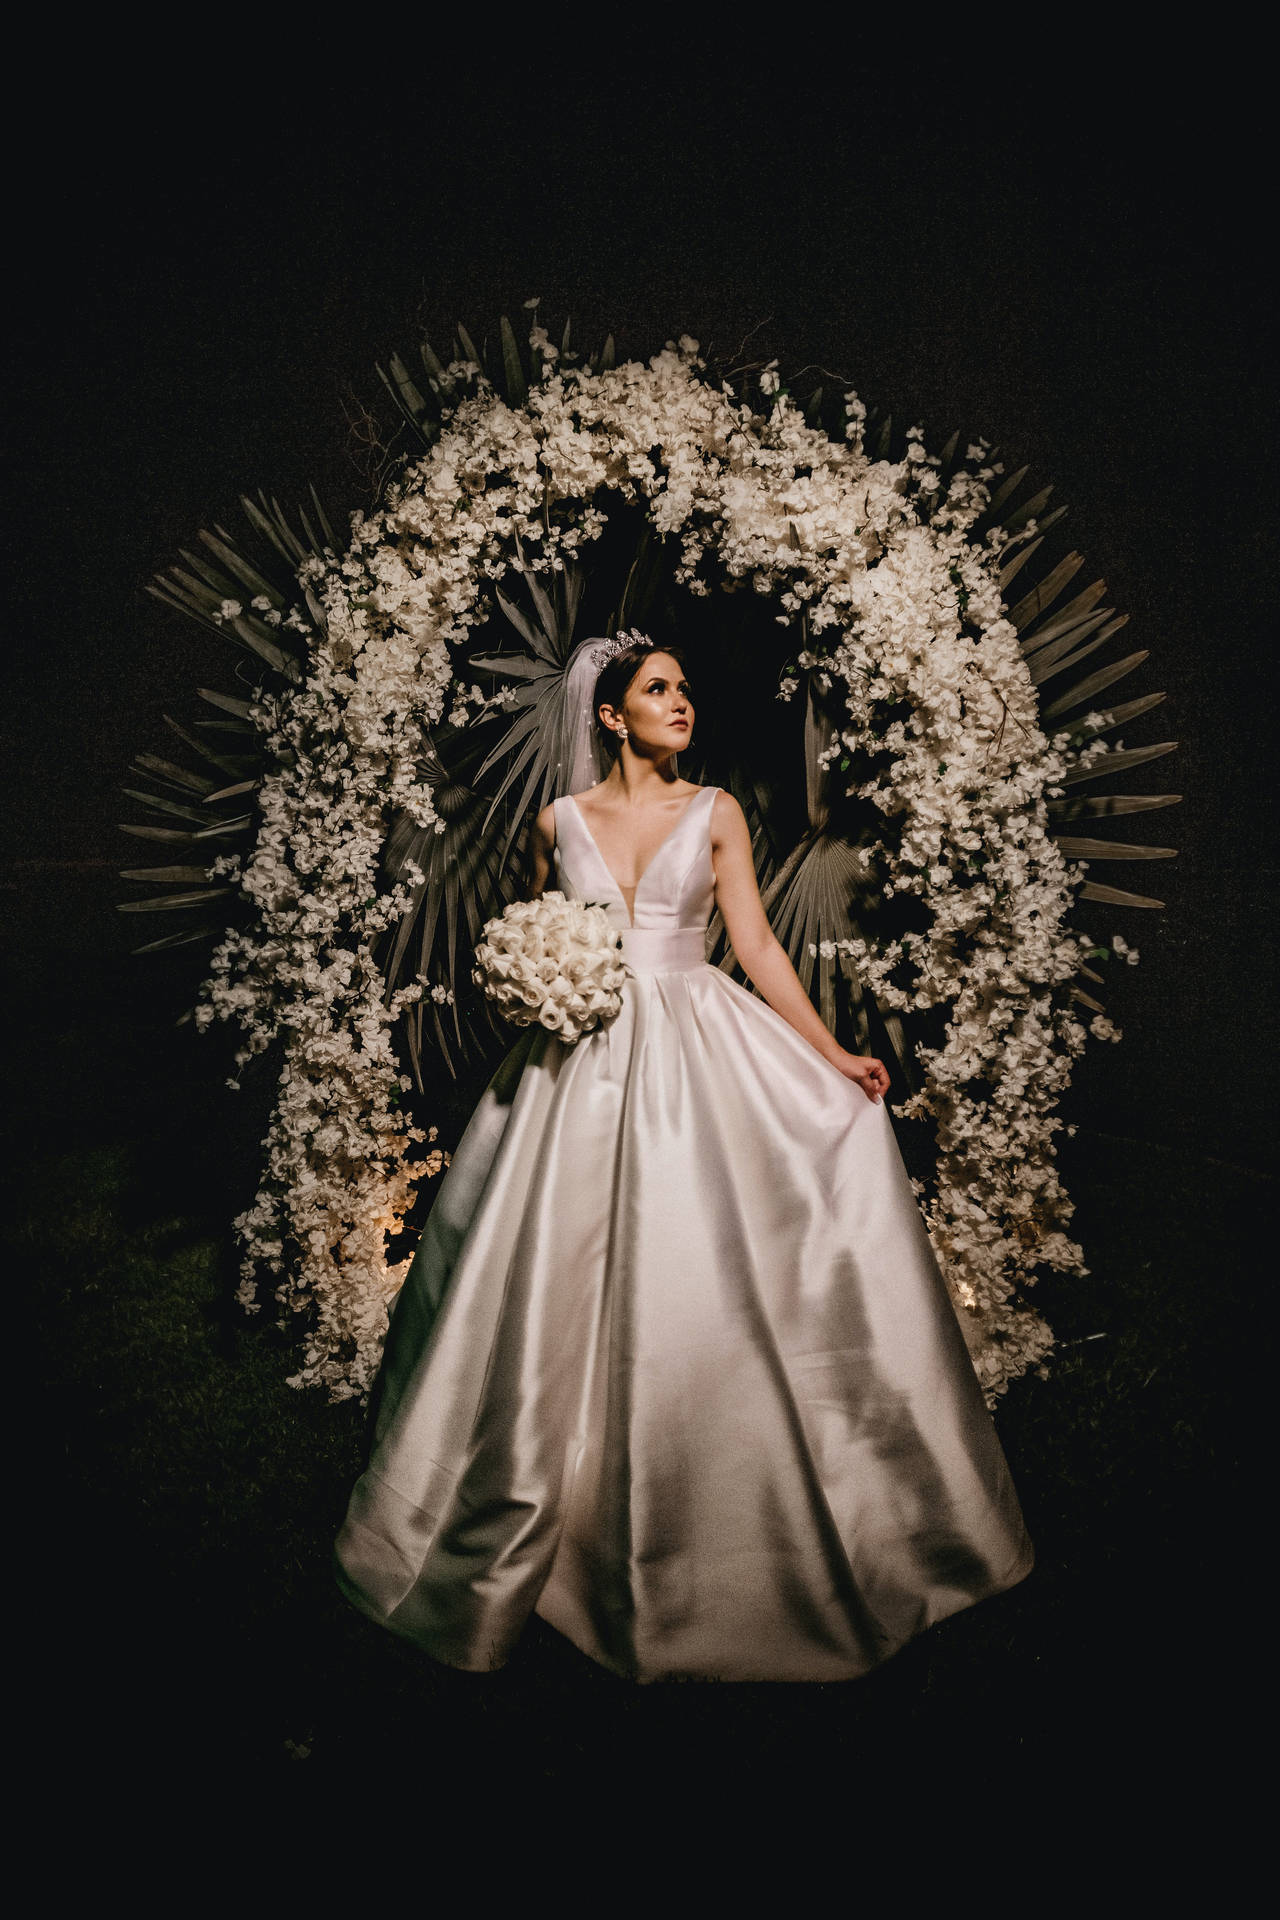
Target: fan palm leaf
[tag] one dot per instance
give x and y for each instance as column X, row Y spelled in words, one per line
column 538, row 744
column 1084, row 690
column 465, row 882
column 1065, row 654
column 1056, row 636
column 1104, row 804
column 1123, row 757
column 1129, row 710
column 509, row 367
column 210, row 806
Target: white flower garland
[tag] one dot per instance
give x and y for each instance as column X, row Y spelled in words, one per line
column 900, row 605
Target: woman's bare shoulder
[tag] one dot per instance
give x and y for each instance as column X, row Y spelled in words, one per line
column 726, row 814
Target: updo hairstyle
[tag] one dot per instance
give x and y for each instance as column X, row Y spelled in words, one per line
column 614, row 680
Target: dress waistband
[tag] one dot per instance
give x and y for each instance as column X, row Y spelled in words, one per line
column 664, row 949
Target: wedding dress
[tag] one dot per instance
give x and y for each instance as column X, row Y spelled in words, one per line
column 674, row 1365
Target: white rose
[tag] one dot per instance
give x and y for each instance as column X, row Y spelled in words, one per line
column 552, row 961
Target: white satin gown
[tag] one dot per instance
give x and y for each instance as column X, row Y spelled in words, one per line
column 674, row 1365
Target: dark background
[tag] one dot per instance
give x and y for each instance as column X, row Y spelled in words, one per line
column 1064, row 254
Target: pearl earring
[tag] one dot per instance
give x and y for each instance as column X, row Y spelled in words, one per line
column 622, row 733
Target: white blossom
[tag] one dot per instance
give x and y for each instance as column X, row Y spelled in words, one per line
column 901, row 608
column 552, row 962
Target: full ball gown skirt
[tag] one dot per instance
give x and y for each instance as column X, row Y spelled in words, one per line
column 674, row 1365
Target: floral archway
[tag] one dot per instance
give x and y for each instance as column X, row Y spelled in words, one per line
column 893, row 663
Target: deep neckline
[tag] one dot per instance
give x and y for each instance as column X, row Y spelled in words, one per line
column 653, row 858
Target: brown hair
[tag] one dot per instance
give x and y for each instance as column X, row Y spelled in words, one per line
column 614, row 681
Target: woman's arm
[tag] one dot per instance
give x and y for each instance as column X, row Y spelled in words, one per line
column 542, row 842
column 762, row 956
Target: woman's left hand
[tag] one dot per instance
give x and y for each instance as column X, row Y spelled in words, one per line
column 871, row 1074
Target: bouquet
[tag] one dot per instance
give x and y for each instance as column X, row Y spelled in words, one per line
column 554, row 962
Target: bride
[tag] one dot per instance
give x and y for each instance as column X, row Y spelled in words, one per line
column 674, row 1365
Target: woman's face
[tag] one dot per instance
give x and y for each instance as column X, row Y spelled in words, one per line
column 657, row 709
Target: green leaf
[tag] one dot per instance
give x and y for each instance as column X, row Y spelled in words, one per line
column 170, row 836
column 188, row 739
column 161, row 804
column 1114, row 717
column 510, row 666
column 1068, row 616
column 1084, row 690
column 245, row 574
column 1015, row 521
column 1058, row 640
column 1005, row 492
column 405, row 390
column 175, row 775
column 1042, row 597
column 1101, row 805
column 434, row 366
column 157, row 874
column 470, row 351
column 1116, row 896
column 1043, row 668
column 1116, row 762
column 517, row 387
column 229, row 793
column 267, row 519
column 533, row 633
column 186, row 938
column 1012, row 568
column 167, row 900
column 1084, row 849
column 226, row 829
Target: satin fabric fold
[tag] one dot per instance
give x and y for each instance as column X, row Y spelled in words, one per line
column 674, row 1364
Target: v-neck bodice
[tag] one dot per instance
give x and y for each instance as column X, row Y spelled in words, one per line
column 676, row 889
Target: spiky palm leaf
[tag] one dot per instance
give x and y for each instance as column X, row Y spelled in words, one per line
column 1055, row 639
column 509, row 366
column 465, row 867
column 539, row 741
column 209, row 799
column 469, row 872
column 815, row 890
column 817, row 893
column 465, row 882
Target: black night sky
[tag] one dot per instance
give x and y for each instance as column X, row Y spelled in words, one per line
column 1064, row 257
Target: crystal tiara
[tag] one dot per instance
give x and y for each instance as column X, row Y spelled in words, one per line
column 621, row 642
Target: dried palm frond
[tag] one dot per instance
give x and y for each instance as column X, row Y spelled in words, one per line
column 1055, row 639
column 465, row 883
column 537, row 745
column 510, row 366
column 211, row 805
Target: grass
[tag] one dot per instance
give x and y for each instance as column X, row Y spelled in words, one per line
column 183, row 1499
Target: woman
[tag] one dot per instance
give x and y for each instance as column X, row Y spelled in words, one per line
column 674, row 1365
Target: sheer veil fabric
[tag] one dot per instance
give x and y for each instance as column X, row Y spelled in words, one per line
column 674, row 1365
column 580, row 762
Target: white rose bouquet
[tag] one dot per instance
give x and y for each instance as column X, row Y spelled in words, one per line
column 552, row 961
